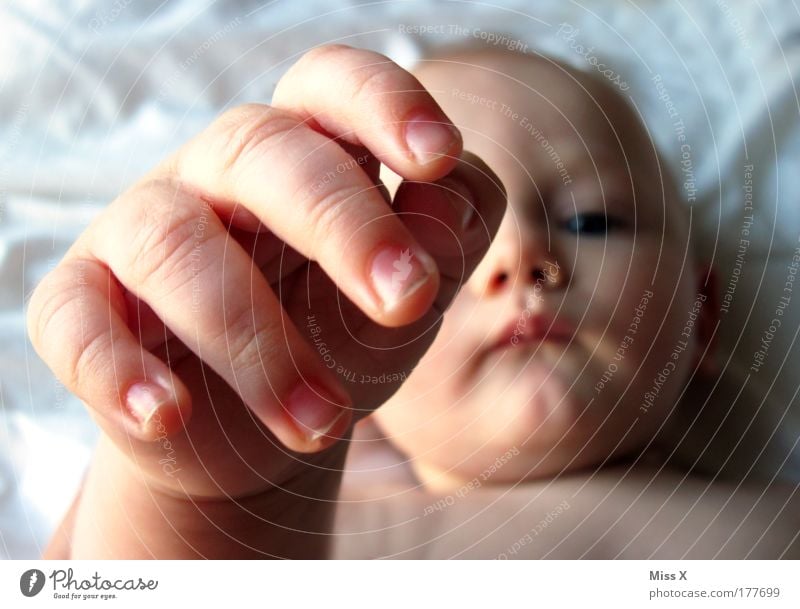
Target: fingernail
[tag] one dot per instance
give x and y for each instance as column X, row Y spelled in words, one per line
column 315, row 412
column 144, row 400
column 461, row 199
column 396, row 273
column 428, row 138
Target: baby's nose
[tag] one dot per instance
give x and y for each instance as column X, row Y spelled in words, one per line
column 518, row 259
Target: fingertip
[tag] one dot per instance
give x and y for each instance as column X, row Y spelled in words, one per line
column 365, row 98
column 318, row 417
column 488, row 194
column 440, row 215
column 434, row 144
column 455, row 219
column 157, row 407
column 404, row 281
column 455, row 216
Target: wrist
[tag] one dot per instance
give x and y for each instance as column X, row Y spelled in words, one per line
column 122, row 514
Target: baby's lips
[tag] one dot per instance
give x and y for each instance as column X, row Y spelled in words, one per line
column 532, row 328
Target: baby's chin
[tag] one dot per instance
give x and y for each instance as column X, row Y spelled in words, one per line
column 523, row 407
column 548, row 436
column 529, row 430
column 528, row 394
column 497, row 455
column 510, row 467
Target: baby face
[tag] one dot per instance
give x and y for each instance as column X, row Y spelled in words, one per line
column 548, row 359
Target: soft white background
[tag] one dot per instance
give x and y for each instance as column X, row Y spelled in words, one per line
column 94, row 93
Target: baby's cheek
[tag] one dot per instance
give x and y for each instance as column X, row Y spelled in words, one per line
column 422, row 396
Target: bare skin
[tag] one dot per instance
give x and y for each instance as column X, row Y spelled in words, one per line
column 408, row 491
column 592, row 259
column 616, row 512
column 180, row 316
column 465, row 405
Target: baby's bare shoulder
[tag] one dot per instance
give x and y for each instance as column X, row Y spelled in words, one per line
column 615, row 513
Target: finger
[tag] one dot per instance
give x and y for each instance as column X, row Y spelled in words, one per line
column 368, row 162
column 146, row 326
column 366, row 99
column 176, row 255
column 455, row 219
column 314, row 196
column 77, row 322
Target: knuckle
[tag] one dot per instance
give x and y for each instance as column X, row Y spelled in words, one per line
column 364, row 74
column 164, row 239
column 55, row 328
column 236, row 114
column 249, row 342
column 326, row 215
column 322, row 50
column 45, row 303
column 88, row 359
column 286, row 90
column 374, row 79
column 248, row 132
column 50, row 305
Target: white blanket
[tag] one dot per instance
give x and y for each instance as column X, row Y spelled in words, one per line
column 94, row 93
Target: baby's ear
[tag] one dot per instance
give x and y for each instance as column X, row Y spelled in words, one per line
column 706, row 285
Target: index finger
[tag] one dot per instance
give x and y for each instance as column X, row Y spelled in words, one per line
column 366, row 99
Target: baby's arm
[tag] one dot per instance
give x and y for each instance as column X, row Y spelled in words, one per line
column 119, row 515
column 190, row 317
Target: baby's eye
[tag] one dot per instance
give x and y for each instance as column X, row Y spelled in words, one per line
column 591, row 223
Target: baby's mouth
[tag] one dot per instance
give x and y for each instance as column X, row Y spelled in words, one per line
column 530, row 330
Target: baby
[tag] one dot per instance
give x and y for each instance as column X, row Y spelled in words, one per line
column 538, row 422
column 587, row 298
column 229, row 340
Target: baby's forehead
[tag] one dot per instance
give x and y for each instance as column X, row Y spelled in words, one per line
column 504, row 73
column 522, row 100
column 506, row 91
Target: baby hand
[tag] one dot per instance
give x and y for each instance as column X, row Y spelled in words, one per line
column 257, row 292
